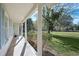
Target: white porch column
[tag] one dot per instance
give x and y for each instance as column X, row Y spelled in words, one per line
column 39, row 31
column 26, row 30
column 8, row 28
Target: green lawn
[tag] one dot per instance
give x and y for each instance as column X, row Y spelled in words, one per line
column 65, row 43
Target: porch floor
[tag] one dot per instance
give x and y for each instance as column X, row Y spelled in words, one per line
column 20, row 48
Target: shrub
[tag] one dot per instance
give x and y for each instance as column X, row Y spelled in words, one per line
column 47, row 36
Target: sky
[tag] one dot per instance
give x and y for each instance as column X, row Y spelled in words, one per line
column 34, row 16
column 74, row 12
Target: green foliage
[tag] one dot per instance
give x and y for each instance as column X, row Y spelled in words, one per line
column 31, row 33
column 50, row 36
column 47, row 36
column 47, row 17
column 50, row 16
column 29, row 24
column 54, row 18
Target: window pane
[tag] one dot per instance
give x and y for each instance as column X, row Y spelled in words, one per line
column 19, row 29
column 24, row 29
column 32, row 30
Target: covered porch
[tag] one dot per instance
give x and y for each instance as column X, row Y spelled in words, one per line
column 13, row 21
column 13, row 18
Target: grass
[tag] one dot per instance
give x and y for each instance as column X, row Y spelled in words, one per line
column 65, row 43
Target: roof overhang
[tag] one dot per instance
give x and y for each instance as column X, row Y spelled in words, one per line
column 18, row 11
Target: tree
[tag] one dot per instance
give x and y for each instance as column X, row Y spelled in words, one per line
column 58, row 17
column 29, row 24
column 66, row 22
column 50, row 16
column 78, row 26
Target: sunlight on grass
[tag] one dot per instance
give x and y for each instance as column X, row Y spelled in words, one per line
column 67, row 34
column 65, row 43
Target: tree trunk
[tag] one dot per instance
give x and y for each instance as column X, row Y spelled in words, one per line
column 49, row 30
column 49, row 33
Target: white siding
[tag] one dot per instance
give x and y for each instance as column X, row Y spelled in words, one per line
column 6, row 31
column 0, row 26
column 16, row 28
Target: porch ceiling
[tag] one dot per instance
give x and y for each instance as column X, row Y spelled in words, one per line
column 17, row 11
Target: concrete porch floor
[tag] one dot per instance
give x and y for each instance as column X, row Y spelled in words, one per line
column 19, row 47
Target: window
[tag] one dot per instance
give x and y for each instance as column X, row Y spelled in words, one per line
column 3, row 27
column 32, row 30
column 20, row 30
column 24, row 29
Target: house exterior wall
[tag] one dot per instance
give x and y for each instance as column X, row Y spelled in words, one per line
column 16, row 28
column 0, row 26
column 6, row 31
